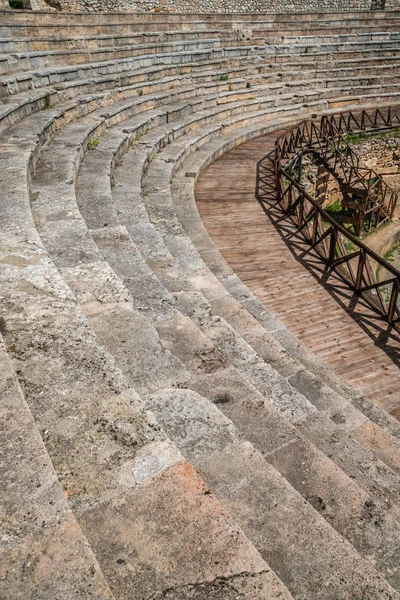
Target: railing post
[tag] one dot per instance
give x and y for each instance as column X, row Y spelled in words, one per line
column 315, row 228
column 301, row 211
column 393, row 301
column 360, row 269
column 332, row 245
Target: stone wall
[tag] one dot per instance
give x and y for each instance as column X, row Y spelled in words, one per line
column 208, row 6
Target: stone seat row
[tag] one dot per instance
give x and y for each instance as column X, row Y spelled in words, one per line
column 25, row 103
column 98, row 40
column 25, row 81
column 93, row 41
column 193, row 440
column 263, row 31
column 224, row 20
column 131, row 461
column 99, row 216
column 169, row 272
column 22, row 81
column 18, row 63
column 19, row 105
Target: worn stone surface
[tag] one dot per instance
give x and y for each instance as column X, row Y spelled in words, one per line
column 250, row 6
column 129, row 301
column 164, row 544
column 42, row 548
column 94, row 428
column 54, row 563
column 238, row 475
column 262, row 586
column 214, row 447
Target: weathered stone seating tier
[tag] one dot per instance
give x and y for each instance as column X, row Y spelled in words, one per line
column 23, row 103
column 45, row 60
column 190, row 443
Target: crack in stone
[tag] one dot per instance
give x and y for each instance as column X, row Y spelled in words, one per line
column 218, row 580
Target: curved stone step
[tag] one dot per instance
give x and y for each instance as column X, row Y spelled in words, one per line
column 263, row 339
column 108, row 319
column 303, row 380
column 254, row 26
column 159, row 471
column 19, row 62
column 24, row 103
column 29, row 61
column 35, row 518
column 118, row 333
column 131, row 83
column 96, row 40
column 160, row 275
column 272, row 514
column 23, row 80
column 183, row 194
column 146, row 514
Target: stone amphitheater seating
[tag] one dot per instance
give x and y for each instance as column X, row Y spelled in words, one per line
column 164, row 435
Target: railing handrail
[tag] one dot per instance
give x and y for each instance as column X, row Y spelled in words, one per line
column 354, row 240
column 353, row 164
column 358, row 266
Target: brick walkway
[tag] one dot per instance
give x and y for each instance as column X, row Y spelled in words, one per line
column 274, row 262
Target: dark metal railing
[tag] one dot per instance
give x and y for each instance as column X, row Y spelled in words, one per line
column 364, row 190
column 278, row 182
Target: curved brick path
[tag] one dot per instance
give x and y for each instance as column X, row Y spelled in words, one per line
column 277, row 266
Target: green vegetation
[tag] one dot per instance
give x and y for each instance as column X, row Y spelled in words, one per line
column 390, row 255
column 46, row 105
column 224, row 77
column 354, row 138
column 140, row 93
column 92, row 143
column 348, row 244
column 334, row 209
column 374, row 228
column 360, row 136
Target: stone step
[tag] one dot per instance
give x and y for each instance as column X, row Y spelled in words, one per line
column 124, row 325
column 119, row 302
column 159, row 78
column 339, row 21
column 96, row 223
column 93, row 40
column 256, row 31
column 52, row 43
column 52, row 75
column 24, row 103
column 36, row 519
column 264, row 338
column 13, row 114
column 20, row 62
column 32, row 49
column 295, row 376
column 305, row 550
column 148, row 517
